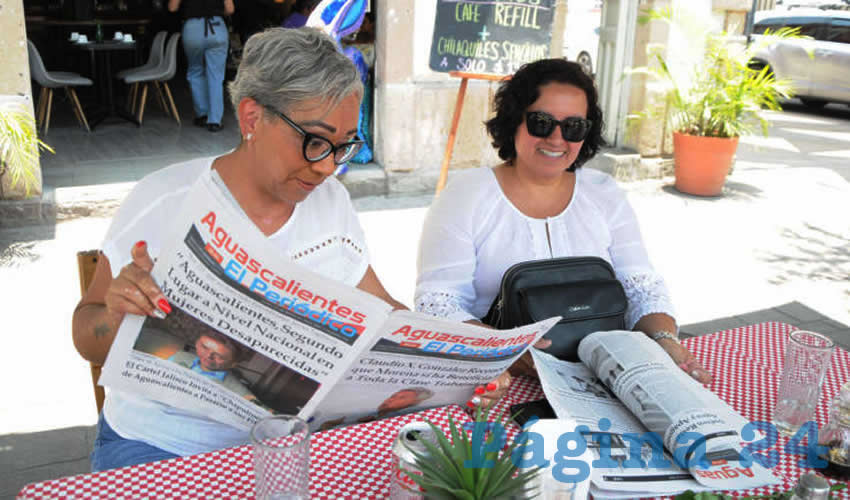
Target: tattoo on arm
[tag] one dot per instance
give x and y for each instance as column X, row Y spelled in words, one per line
column 101, row 330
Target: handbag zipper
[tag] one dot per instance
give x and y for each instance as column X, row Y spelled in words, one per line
column 506, row 279
column 585, row 318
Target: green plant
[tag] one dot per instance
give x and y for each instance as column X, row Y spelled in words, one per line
column 444, row 475
column 19, row 146
column 780, row 495
column 725, row 92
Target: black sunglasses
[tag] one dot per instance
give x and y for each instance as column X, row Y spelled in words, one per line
column 541, row 124
column 316, row 148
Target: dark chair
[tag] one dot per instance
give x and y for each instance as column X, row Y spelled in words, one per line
column 159, row 75
column 154, row 60
column 49, row 80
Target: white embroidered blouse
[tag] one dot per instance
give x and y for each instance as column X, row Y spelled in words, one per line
column 473, row 233
column 323, row 233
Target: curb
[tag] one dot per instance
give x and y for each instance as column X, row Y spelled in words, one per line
column 370, row 179
column 15, row 213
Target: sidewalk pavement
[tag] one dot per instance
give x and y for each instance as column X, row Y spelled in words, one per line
column 775, row 246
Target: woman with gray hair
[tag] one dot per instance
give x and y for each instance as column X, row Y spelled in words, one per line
column 297, row 100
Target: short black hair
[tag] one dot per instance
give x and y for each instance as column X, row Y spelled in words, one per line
column 519, row 92
column 240, row 352
column 301, row 5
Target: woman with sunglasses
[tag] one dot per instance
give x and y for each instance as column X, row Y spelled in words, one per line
column 539, row 204
column 297, row 100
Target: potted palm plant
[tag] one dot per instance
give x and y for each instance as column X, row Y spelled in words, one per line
column 721, row 99
column 444, row 471
column 19, row 148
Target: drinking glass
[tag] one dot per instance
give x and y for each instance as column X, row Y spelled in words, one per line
column 807, row 357
column 281, row 446
column 544, row 486
column 119, row 36
column 552, row 489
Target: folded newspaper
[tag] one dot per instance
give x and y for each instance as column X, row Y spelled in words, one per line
column 662, row 432
column 252, row 334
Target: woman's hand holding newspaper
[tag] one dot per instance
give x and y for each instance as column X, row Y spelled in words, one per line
column 490, row 394
column 134, row 290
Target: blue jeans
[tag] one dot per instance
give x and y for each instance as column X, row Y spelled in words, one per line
column 206, row 51
column 111, row 451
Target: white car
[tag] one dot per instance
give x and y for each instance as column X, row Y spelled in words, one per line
column 818, row 67
column 584, row 51
column 581, row 33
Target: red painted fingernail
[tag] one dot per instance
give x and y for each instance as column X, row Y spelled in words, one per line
column 140, row 243
column 491, row 386
column 164, row 306
column 479, row 390
column 470, row 404
column 683, row 365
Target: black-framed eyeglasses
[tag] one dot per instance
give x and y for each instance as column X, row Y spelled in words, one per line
column 316, row 148
column 541, row 124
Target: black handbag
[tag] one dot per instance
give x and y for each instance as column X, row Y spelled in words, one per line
column 583, row 290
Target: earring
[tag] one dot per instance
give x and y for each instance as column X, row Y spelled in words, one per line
column 249, row 136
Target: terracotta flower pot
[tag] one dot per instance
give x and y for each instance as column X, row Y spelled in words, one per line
column 702, row 163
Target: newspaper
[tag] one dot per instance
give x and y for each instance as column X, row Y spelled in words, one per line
column 631, row 381
column 440, row 361
column 295, row 342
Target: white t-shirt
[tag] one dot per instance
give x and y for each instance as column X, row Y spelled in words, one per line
column 322, row 234
column 473, row 234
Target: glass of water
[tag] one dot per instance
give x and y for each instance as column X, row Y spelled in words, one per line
column 807, row 356
column 549, row 488
column 281, row 458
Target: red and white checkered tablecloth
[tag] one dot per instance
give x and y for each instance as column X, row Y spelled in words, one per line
column 747, row 364
column 355, row 462
column 350, row 462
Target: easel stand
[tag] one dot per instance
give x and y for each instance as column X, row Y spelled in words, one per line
column 461, row 93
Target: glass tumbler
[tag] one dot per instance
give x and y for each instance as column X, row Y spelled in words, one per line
column 281, row 447
column 552, row 489
column 545, row 487
column 807, row 356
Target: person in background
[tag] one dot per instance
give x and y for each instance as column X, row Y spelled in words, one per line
column 254, row 16
column 539, row 204
column 366, row 32
column 205, row 42
column 296, row 99
column 300, row 12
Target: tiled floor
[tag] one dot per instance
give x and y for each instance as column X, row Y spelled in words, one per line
column 793, row 313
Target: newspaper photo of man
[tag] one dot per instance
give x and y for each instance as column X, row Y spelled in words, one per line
column 398, row 402
column 402, row 399
column 194, row 345
column 392, row 406
column 215, row 356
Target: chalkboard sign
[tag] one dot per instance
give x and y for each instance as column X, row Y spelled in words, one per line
column 490, row 36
